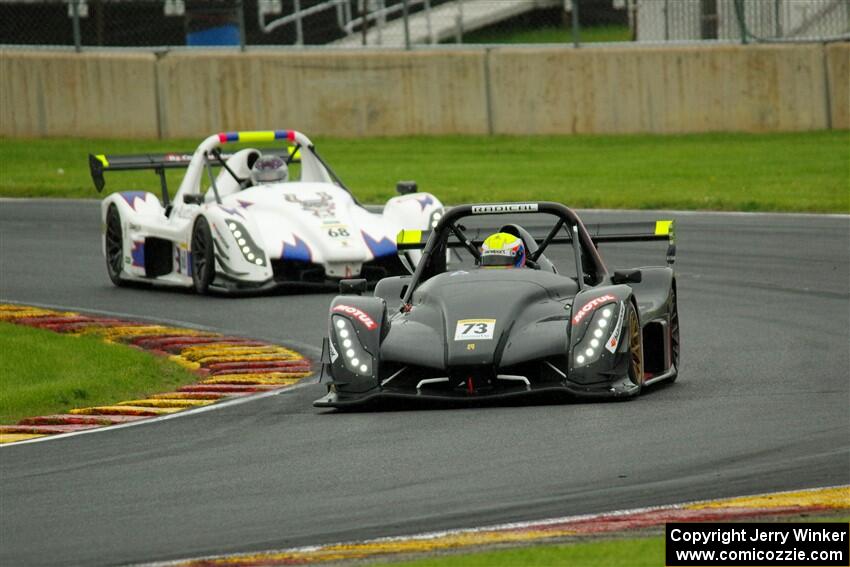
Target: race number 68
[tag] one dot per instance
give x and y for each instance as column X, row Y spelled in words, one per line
column 341, row 232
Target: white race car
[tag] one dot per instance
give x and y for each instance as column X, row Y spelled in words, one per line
column 245, row 234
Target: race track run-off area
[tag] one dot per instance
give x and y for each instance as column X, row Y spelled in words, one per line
column 760, row 405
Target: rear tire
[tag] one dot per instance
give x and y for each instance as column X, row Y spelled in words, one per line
column 675, row 347
column 114, row 246
column 203, row 256
column 636, row 375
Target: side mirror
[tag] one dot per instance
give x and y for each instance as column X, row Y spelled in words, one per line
column 194, row 199
column 627, row 277
column 352, row 287
column 406, row 187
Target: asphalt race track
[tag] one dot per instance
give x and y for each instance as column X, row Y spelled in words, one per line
column 762, row 403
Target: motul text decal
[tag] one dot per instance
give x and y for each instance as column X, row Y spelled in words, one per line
column 357, row 314
column 590, row 306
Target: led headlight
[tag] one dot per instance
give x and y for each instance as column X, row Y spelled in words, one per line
column 354, row 356
column 435, row 218
column 589, row 348
column 250, row 250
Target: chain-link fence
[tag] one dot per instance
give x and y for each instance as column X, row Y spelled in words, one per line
column 742, row 20
column 413, row 23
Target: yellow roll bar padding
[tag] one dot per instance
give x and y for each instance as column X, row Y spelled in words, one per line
column 409, row 237
column 259, row 136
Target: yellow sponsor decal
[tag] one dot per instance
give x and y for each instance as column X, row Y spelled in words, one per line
column 409, row 237
column 663, row 227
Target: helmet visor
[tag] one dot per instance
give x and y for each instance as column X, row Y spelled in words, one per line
column 498, row 258
column 269, row 168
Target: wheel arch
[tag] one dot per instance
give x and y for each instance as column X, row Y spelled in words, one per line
column 657, row 302
column 132, row 205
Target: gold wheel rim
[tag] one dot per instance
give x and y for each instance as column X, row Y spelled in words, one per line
column 635, row 350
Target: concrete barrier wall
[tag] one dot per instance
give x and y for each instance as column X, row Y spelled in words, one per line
column 838, row 67
column 332, row 93
column 659, row 90
column 501, row 90
column 68, row 94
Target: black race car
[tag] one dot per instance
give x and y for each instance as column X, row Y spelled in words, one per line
column 470, row 334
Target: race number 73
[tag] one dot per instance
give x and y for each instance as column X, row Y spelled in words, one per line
column 475, row 329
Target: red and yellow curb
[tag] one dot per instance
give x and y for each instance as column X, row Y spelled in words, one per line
column 228, row 367
column 821, row 500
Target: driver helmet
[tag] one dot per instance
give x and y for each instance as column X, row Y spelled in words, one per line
column 503, row 250
column 269, row 169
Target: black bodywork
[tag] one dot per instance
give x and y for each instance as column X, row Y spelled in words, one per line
column 588, row 334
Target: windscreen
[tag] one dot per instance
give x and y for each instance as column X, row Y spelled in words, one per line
column 537, row 226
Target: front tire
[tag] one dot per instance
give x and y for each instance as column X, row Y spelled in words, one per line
column 203, row 256
column 114, row 246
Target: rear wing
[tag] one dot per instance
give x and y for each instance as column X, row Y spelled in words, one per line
column 100, row 163
column 599, row 233
column 636, row 232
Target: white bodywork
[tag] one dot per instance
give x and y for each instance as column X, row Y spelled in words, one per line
column 309, row 220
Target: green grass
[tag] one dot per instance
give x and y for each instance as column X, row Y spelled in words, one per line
column 631, row 552
column 42, row 372
column 808, row 171
column 549, row 34
column 644, row 552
